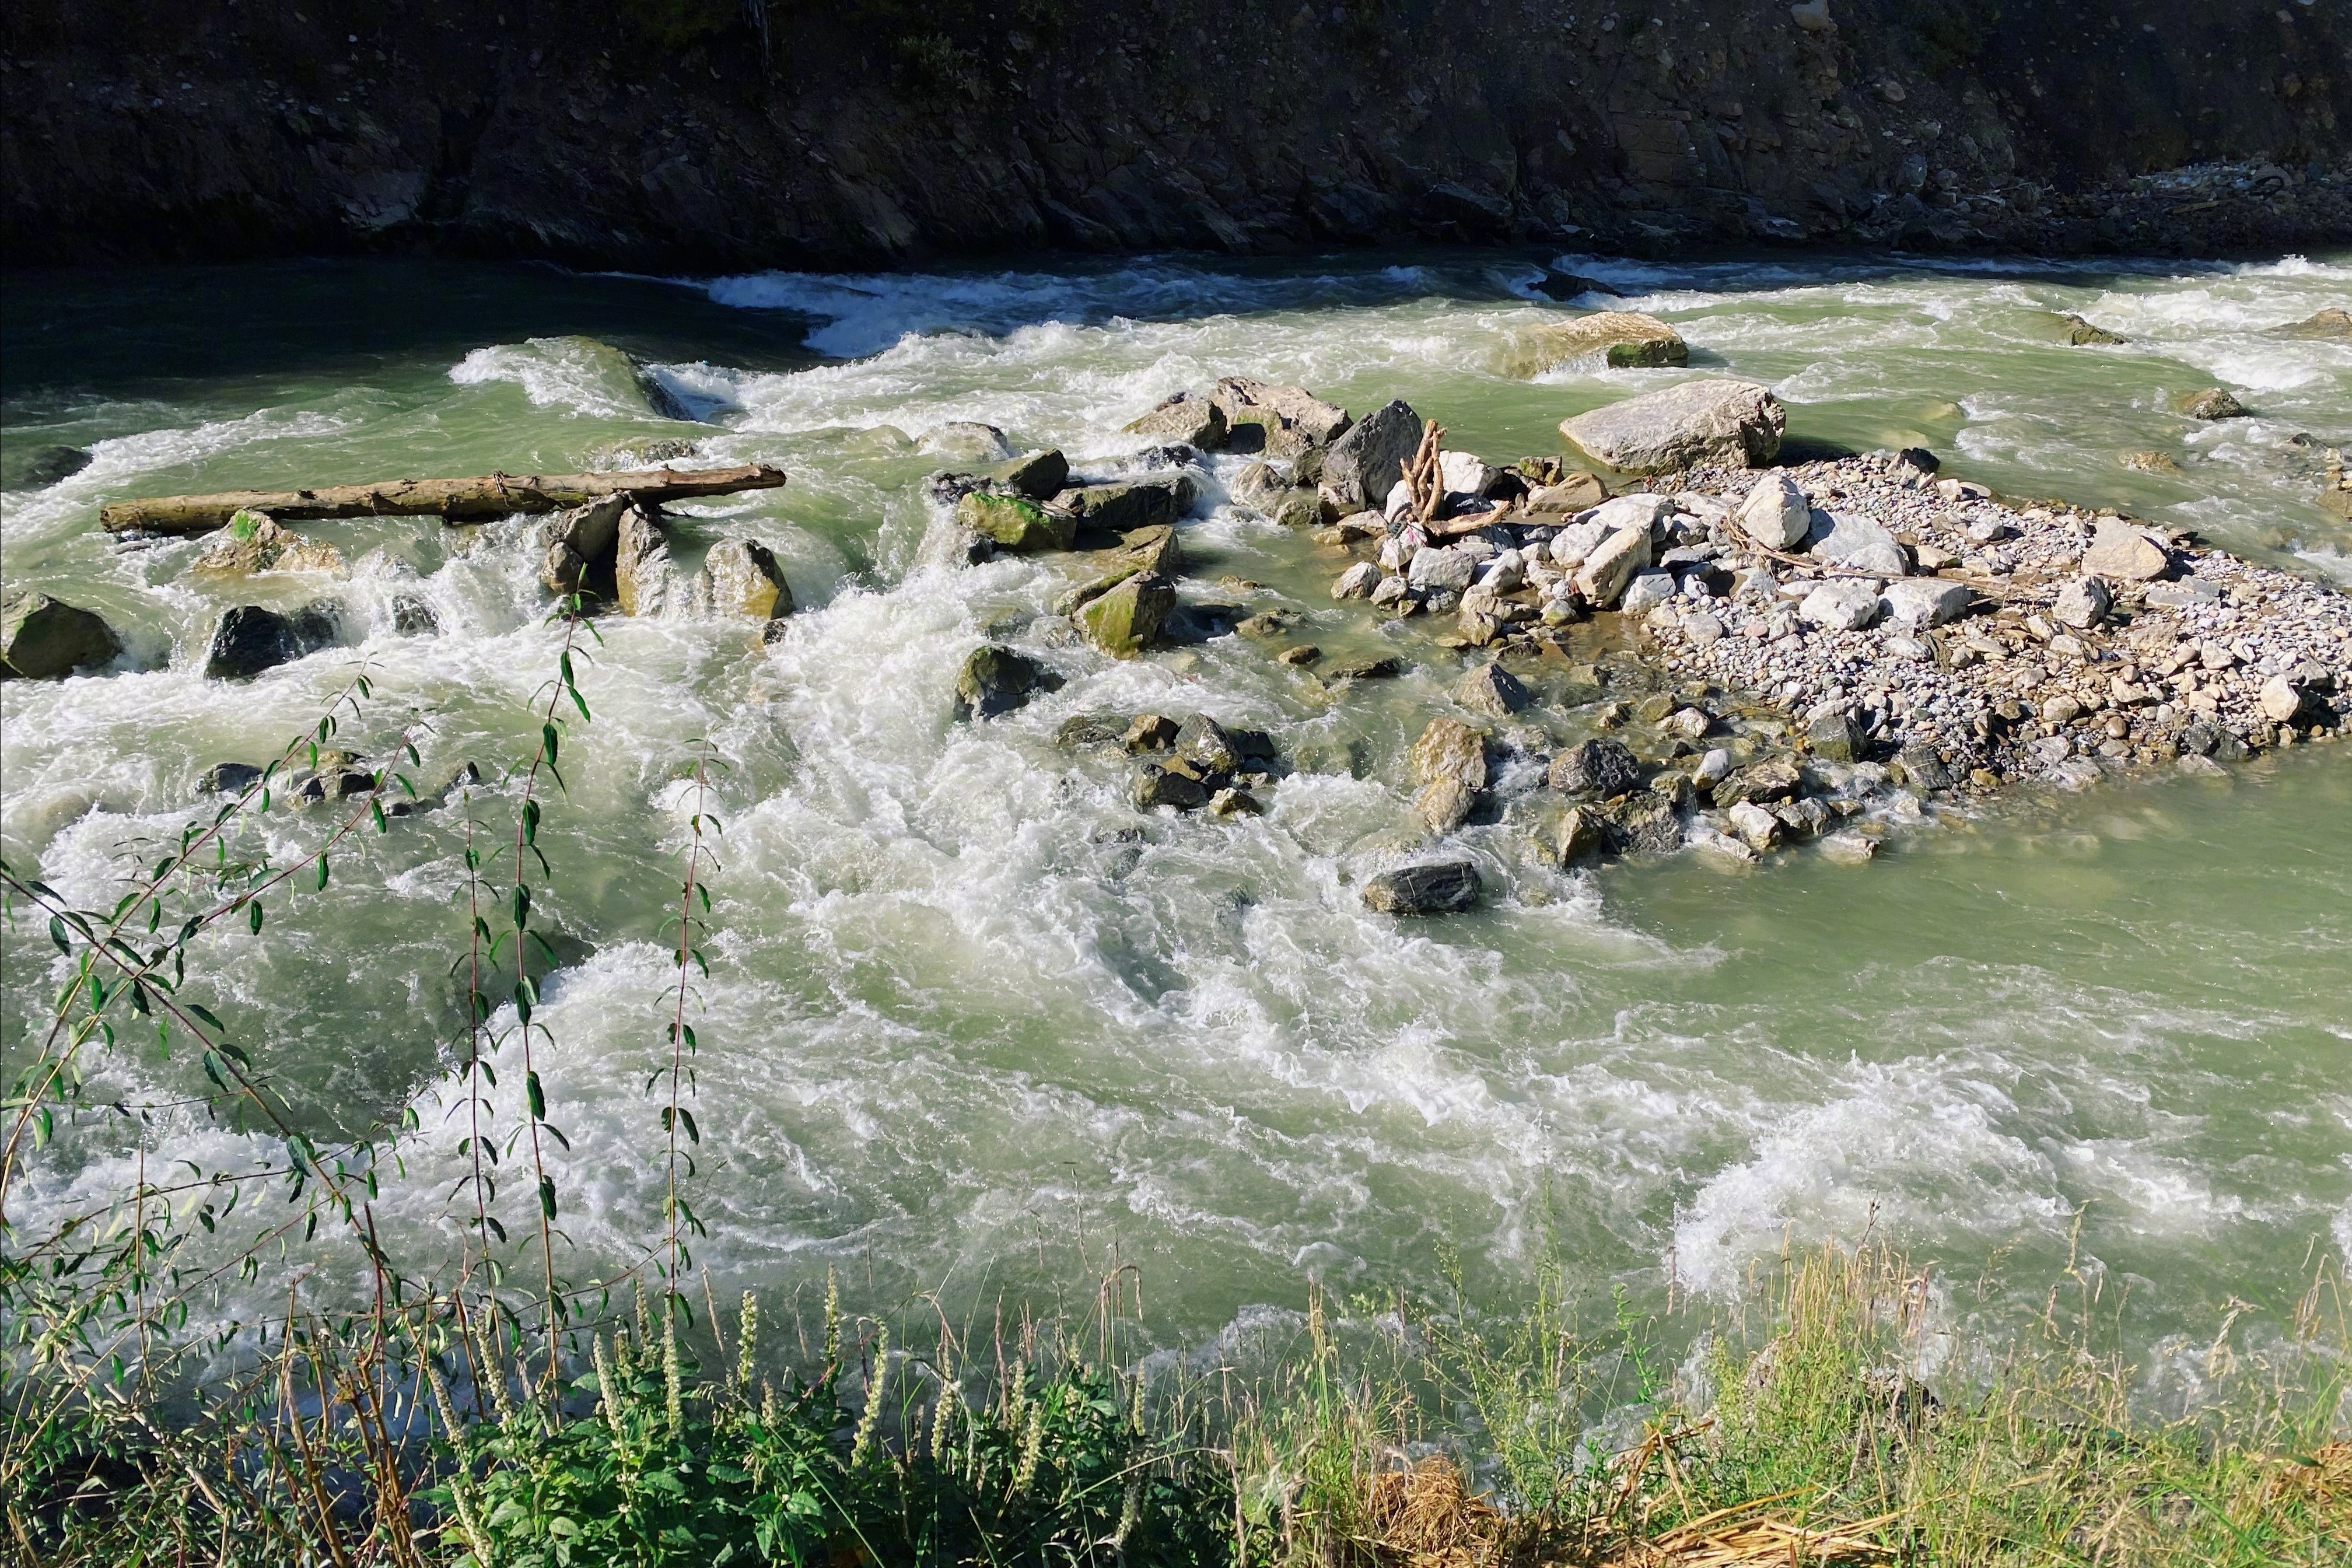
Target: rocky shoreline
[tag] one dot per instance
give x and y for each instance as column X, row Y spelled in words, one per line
column 1726, row 657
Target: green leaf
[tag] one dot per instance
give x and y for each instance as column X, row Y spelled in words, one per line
column 57, row 935
column 547, row 1196
column 322, row 872
column 253, row 918
column 536, row 1096
column 519, row 906
column 530, row 822
column 547, row 747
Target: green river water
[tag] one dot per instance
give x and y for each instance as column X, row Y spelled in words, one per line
column 971, row 1018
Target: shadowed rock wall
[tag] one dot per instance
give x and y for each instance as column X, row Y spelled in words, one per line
column 713, row 133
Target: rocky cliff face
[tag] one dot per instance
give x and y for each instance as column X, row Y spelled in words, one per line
column 717, row 134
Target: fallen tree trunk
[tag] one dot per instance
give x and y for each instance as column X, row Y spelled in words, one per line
column 476, row 500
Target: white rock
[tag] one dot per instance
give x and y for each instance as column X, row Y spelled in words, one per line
column 1640, row 510
column 1776, row 514
column 1397, row 552
column 1463, row 473
column 1438, row 568
column 1646, row 590
column 1357, row 582
column 2083, row 603
column 1713, row 768
column 1611, row 566
column 1924, row 602
column 1757, row 825
column 1849, row 849
column 1571, row 544
column 1850, row 539
column 1398, row 503
column 1843, row 605
column 1703, row 629
column 1506, row 571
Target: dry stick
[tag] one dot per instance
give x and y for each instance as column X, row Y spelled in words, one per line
column 474, row 499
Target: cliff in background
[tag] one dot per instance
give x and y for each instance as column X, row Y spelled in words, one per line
column 720, row 134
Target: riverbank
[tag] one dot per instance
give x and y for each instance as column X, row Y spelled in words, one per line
column 1843, row 1418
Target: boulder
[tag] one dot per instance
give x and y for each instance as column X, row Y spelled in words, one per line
column 965, row 441
column 1756, row 826
column 2122, row 551
column 1920, row 602
column 2282, row 699
column 1289, row 420
column 2080, row 333
column 579, row 545
column 1492, row 691
column 1573, row 492
column 1015, row 523
column 996, row 680
column 1185, row 418
column 1357, row 582
column 1643, row 822
column 1706, row 421
column 1776, row 513
column 1645, row 591
column 2212, row 403
column 1441, row 570
column 1836, row 737
column 1436, row 888
column 1125, row 620
column 1449, row 764
column 1841, row 604
column 1575, row 543
column 42, row 638
column 2150, row 462
column 1599, row 769
column 1578, row 835
column 1125, row 507
column 1619, row 339
column 1038, row 474
column 413, row 615
column 1465, row 474
column 1203, row 745
column 2332, row 325
column 1155, row 785
column 1366, row 461
column 1365, row 669
column 253, row 542
column 1610, row 568
column 228, row 778
column 741, row 577
column 2082, row 603
column 642, row 576
column 251, row 639
column 1859, row 543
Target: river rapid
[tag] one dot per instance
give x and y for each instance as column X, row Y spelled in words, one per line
column 971, row 1018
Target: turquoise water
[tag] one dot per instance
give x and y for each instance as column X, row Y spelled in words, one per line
column 972, row 1018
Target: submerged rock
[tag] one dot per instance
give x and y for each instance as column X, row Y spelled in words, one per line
column 2333, row 325
column 228, row 778
column 251, row 639
column 2080, row 333
column 1436, row 888
column 995, row 680
column 1706, row 421
column 965, row 441
column 1621, row 339
column 2212, row 403
column 46, row 466
column 42, row 638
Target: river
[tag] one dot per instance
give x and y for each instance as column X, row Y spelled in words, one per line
column 971, row 1019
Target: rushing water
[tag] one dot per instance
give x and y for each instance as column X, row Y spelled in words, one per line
column 970, row 1012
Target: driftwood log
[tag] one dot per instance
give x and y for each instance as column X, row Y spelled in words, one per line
column 476, row 500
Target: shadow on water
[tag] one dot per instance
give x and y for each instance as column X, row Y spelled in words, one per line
column 141, row 332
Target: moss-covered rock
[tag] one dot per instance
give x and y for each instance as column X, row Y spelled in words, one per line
column 1125, row 620
column 1016, row 524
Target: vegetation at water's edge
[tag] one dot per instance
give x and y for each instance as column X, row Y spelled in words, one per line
column 1416, row 1437
column 498, row 1410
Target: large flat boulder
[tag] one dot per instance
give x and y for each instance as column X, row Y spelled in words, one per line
column 1437, row 888
column 1619, row 339
column 1713, row 420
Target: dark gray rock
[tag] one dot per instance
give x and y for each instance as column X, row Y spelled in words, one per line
column 42, row 638
column 228, row 778
column 1037, row 474
column 254, row 638
column 1436, row 888
column 1204, row 745
column 1364, row 463
column 1598, row 768
column 1837, row 738
column 46, row 466
column 995, row 680
column 1156, row 785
